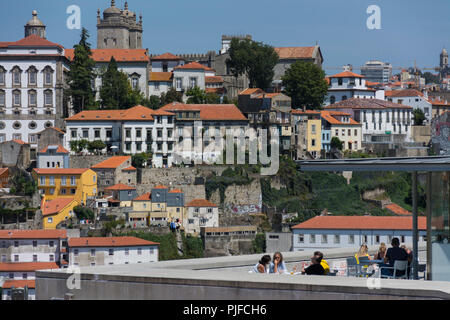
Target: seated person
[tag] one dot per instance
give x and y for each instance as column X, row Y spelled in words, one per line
column 315, row 268
column 263, row 265
column 323, row 262
column 393, row 254
column 277, row 265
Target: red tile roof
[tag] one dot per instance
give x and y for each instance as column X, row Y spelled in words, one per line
column 112, row 163
column 120, row 55
column 213, row 79
column 137, row 113
column 55, row 205
column 209, row 111
column 176, row 191
column 215, row 90
column 395, row 208
column 161, row 76
column 166, row 56
column 405, row 93
column 109, row 242
column 19, row 141
column 145, row 197
column 27, row 266
column 33, row 234
column 130, row 168
column 54, row 128
column 300, row 111
column 193, row 65
column 160, row 187
column 438, row 102
column 346, row 74
column 60, row 170
column 8, row 284
column 31, row 41
column 251, row 91
column 3, row 170
column 358, row 103
column 295, row 52
column 60, row 149
column 332, row 120
column 200, row 203
column 361, row 223
column 120, row 186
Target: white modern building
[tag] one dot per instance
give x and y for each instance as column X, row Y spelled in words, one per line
column 377, row 71
column 326, row 232
column 23, row 252
column 201, row 213
column 382, row 121
column 31, row 85
column 346, row 85
column 412, row 98
column 135, row 130
column 98, row 251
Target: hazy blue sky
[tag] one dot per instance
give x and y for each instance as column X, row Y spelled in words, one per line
column 411, row 29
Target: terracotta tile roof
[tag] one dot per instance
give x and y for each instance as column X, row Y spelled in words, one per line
column 166, row 56
column 120, row 186
column 161, row 76
column 33, row 234
column 130, row 168
column 395, row 208
column 327, row 79
column 200, row 203
column 193, row 65
column 137, row 113
column 346, row 74
column 176, row 191
column 19, row 141
column 295, row 52
column 60, row 170
column 438, row 102
column 112, row 163
column 271, row 95
column 358, row 103
column 109, row 242
column 251, row 91
column 27, row 266
column 8, row 284
column 300, row 111
column 3, row 170
column 54, row 128
column 361, row 223
column 55, row 205
column 120, row 55
column 209, row 111
column 31, row 41
column 59, row 149
column 215, row 90
column 370, row 83
column 406, row 93
column 145, row 197
column 213, row 79
column 160, row 187
column 329, row 118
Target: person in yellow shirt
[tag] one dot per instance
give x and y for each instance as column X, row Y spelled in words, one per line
column 323, row 262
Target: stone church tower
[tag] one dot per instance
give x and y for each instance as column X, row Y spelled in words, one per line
column 119, row 29
column 443, row 63
column 35, row 26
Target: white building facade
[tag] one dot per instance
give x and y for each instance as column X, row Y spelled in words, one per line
column 328, row 232
column 346, row 85
column 412, row 98
column 200, row 213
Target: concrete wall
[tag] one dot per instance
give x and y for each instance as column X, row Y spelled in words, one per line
column 421, row 134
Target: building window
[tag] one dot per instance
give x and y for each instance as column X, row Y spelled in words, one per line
column 42, row 181
column 63, row 180
column 312, row 238
column 73, row 180
column 16, row 258
column 97, row 133
column 86, row 134
column 111, row 252
column 403, row 238
column 16, row 76
column 51, row 257
column 2, row 98
column 35, row 257
column 52, row 180
column 16, row 98
column 92, row 252
column 32, row 76
column 332, row 99
column 127, row 251
column 178, row 83
column 16, row 244
column 192, row 82
column 301, row 238
column 377, row 239
column 48, row 76
column 51, row 244
column 365, row 238
column 324, row 238
column 48, row 98
column 75, row 252
column 34, row 243
column 139, row 251
column 2, row 76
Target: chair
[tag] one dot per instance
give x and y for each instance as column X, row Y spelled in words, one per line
column 353, row 269
column 364, row 261
column 399, row 265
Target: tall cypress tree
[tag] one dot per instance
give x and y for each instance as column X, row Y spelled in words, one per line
column 81, row 75
column 116, row 89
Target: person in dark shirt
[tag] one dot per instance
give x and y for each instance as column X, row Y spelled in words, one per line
column 393, row 254
column 315, row 268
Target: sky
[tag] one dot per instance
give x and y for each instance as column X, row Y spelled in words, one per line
column 411, row 30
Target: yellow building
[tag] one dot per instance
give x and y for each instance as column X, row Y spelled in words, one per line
column 175, row 205
column 56, row 211
column 314, row 135
column 66, row 183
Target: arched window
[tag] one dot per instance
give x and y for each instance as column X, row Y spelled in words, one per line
column 32, row 98
column 32, row 76
column 2, row 76
column 48, row 76
column 16, row 76
column 48, row 97
column 332, row 99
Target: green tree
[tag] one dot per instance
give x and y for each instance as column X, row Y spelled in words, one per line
column 96, row 146
column 81, row 75
column 22, row 184
column 336, row 143
column 419, row 117
column 196, row 95
column 154, row 102
column 78, row 145
column 255, row 59
column 115, row 90
column 170, row 96
column 83, row 213
column 138, row 160
column 305, row 83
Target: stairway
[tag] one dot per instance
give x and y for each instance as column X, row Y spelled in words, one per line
column 179, row 242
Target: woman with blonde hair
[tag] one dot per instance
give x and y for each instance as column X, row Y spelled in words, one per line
column 381, row 252
column 362, row 252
